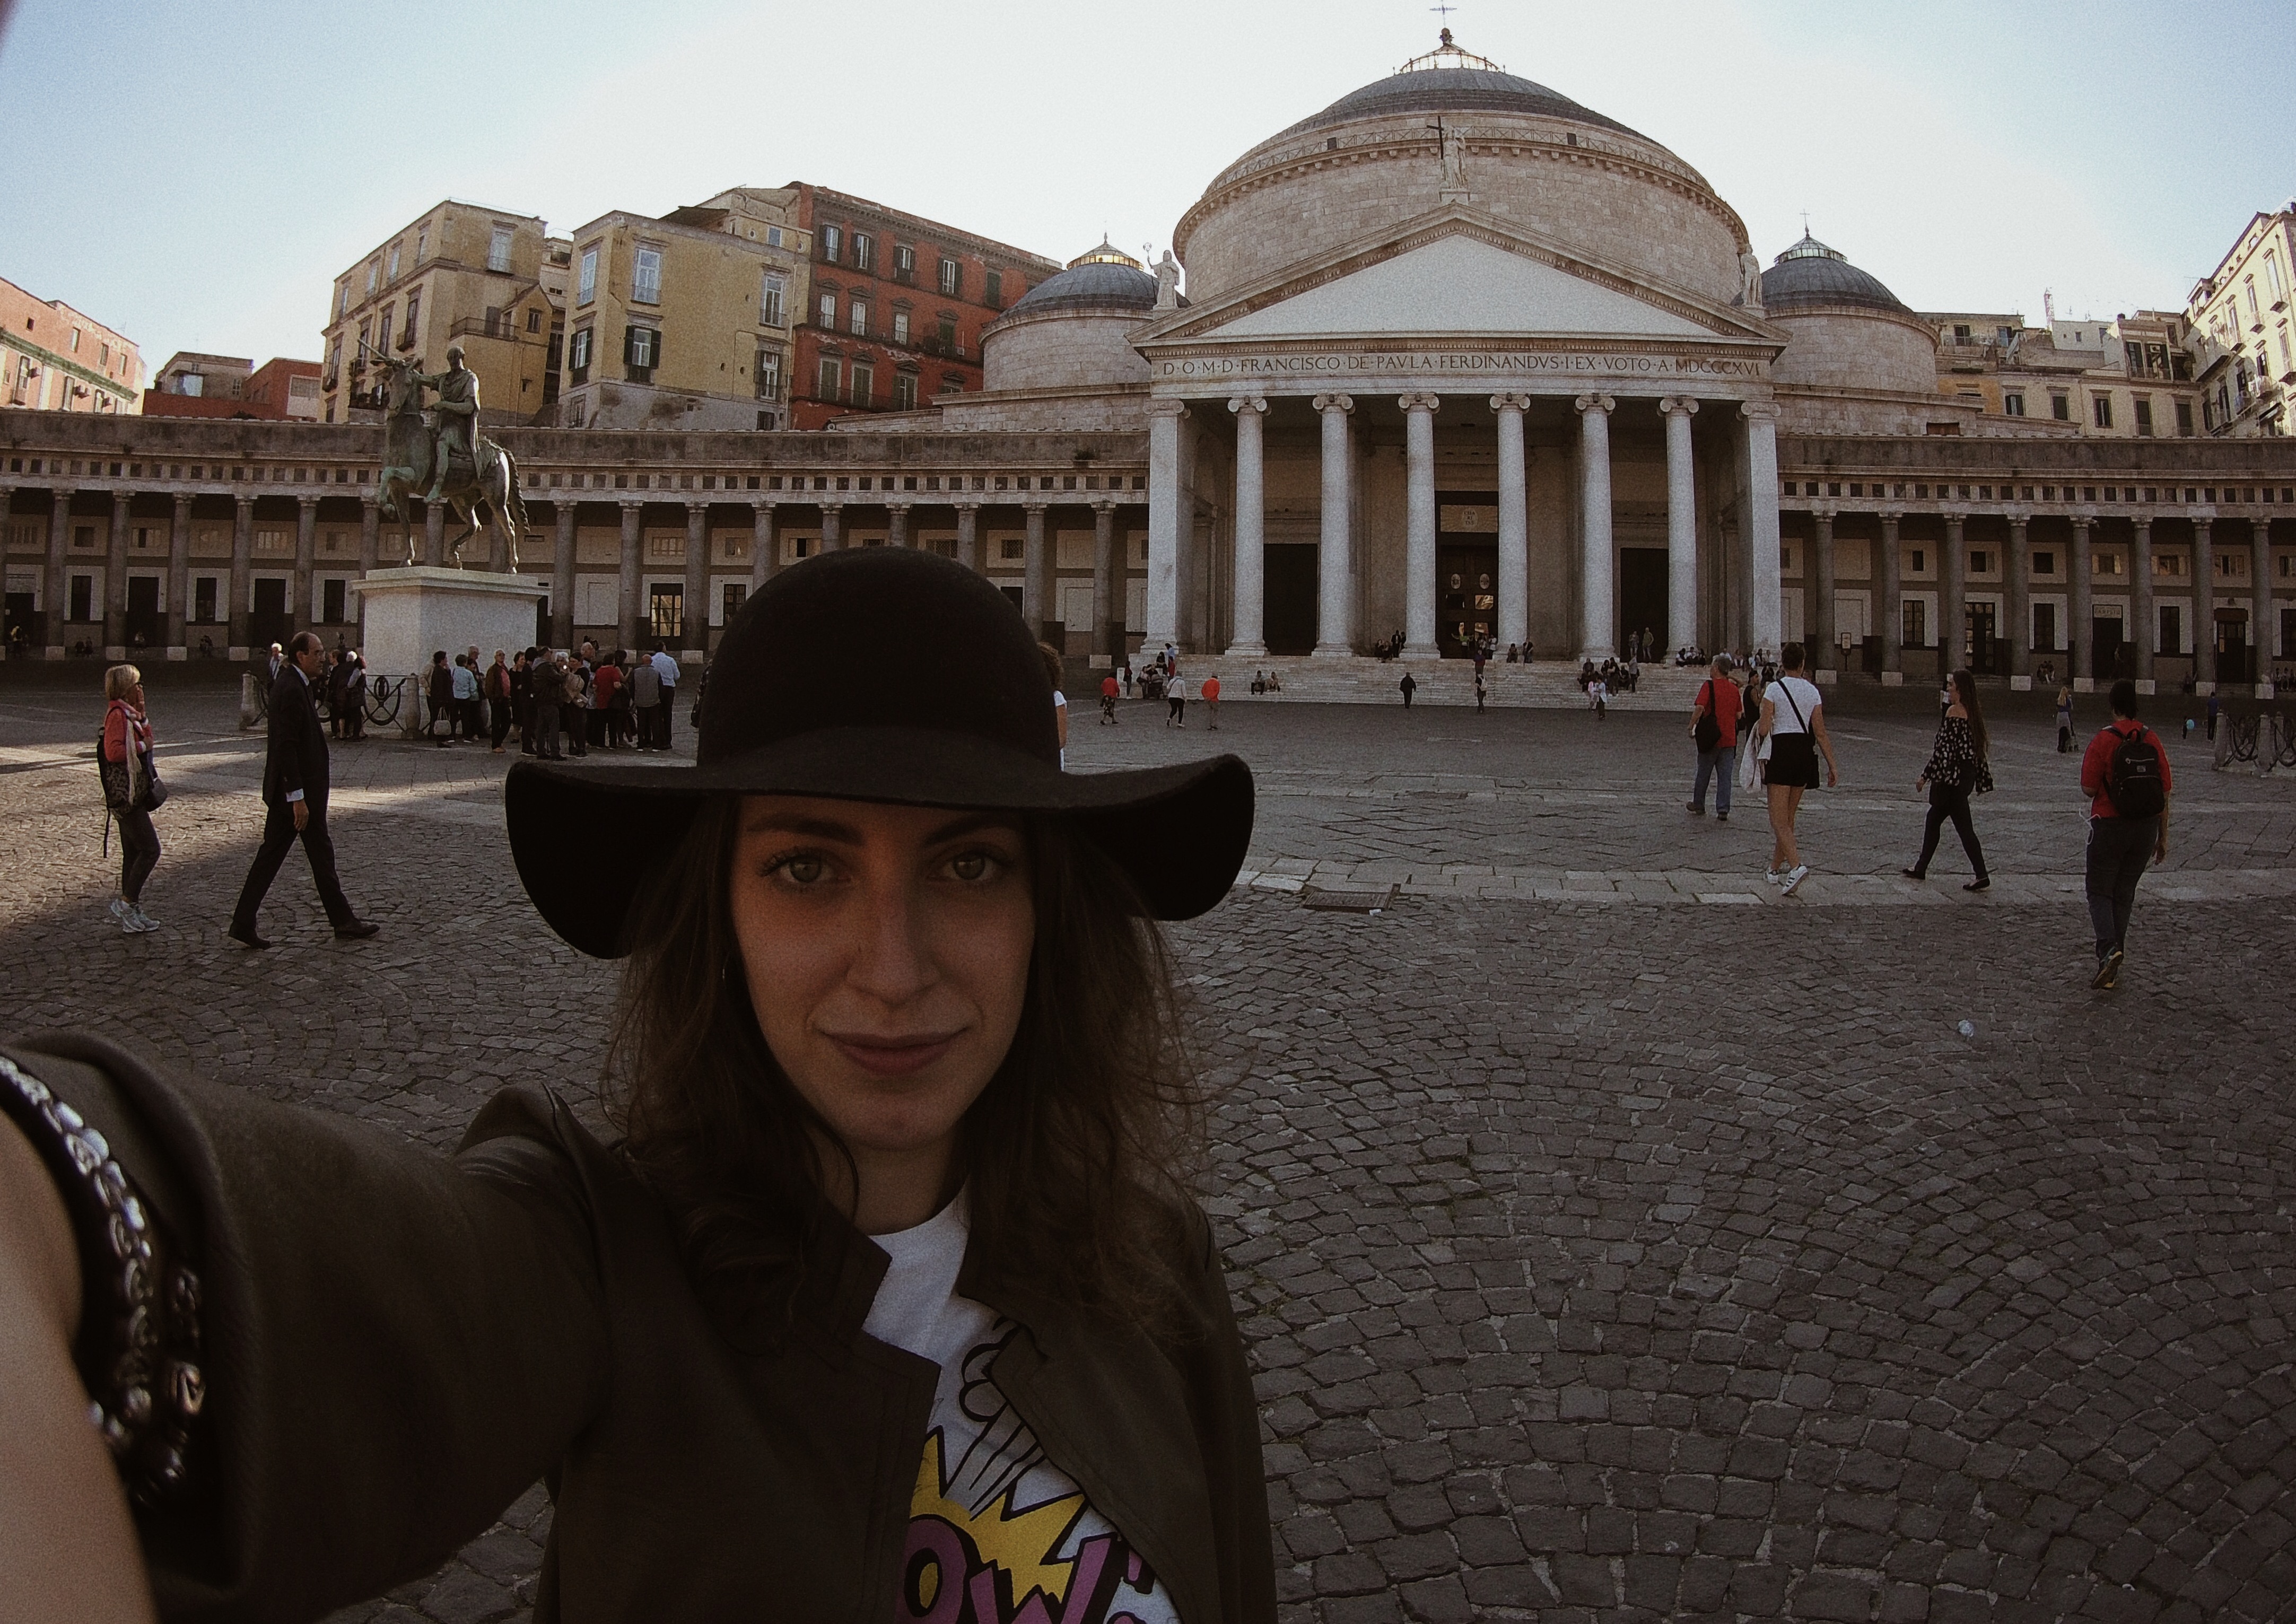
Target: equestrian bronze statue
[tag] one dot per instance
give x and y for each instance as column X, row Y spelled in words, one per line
column 449, row 462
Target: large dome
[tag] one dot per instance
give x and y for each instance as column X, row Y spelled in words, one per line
column 1810, row 274
column 1451, row 89
column 1523, row 155
column 1094, row 286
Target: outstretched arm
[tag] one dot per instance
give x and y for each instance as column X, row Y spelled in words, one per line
column 70, row 1550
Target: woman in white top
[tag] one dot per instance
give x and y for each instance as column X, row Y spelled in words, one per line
column 1793, row 719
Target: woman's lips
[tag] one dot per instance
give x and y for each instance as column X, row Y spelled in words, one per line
column 892, row 1056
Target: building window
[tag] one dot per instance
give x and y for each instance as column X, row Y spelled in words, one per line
column 857, row 317
column 383, row 339
column 497, row 249
column 864, row 252
column 1011, row 547
column 2101, row 409
column 2045, row 563
column 864, row 382
column 533, row 321
column 952, row 278
column 421, row 245
column 645, row 277
column 342, row 299
column 373, row 275
column 905, row 391
column 641, row 352
column 2144, row 416
column 2061, row 407
column 2013, row 404
column 578, row 356
column 996, row 289
column 905, row 262
column 773, row 236
column 392, row 274
column 771, row 294
column 1917, row 634
column 830, row 373
column 331, row 602
column 832, row 243
column 826, row 317
column 948, row 335
column 586, row 284
column 414, row 316
column 769, row 374
column 951, row 384
column 900, row 327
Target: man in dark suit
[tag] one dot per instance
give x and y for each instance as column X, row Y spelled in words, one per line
column 295, row 793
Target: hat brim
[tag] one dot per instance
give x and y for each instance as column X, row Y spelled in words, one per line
column 587, row 838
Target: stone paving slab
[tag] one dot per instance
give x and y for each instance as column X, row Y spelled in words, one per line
column 1596, row 1260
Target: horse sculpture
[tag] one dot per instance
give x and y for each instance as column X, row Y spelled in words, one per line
column 481, row 496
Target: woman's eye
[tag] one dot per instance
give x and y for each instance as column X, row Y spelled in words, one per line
column 801, row 868
column 972, row 866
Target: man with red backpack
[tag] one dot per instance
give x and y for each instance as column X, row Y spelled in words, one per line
column 2125, row 776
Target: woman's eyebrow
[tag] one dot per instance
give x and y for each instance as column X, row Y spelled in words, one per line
column 796, row 823
column 959, row 827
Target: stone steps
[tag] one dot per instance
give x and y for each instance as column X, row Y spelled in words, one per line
column 1360, row 680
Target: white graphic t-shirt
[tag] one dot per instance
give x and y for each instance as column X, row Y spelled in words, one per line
column 997, row 1534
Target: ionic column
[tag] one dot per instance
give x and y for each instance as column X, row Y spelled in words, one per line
column 114, row 582
column 1334, row 574
column 434, row 534
column 897, row 525
column 562, row 577
column 1166, row 524
column 1250, row 531
column 1767, row 611
column 306, row 549
column 1419, row 588
column 968, row 535
column 1597, row 613
column 2260, row 629
column 58, row 597
column 764, row 547
column 2204, row 606
column 243, row 574
column 1105, row 635
column 2019, row 574
column 1953, row 594
column 179, row 573
column 1035, row 573
column 1890, row 569
column 1682, row 527
column 833, row 527
column 2147, row 629
column 1825, row 651
column 2081, row 572
column 1515, row 521
column 627, row 632
column 697, row 582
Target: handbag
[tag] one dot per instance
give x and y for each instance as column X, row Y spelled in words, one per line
column 155, row 789
column 1708, row 731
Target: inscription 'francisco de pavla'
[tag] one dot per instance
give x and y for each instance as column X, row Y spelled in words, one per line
column 1521, row 363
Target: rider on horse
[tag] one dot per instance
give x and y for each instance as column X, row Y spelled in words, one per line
column 457, row 434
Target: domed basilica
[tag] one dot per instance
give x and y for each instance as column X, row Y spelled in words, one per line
column 1465, row 360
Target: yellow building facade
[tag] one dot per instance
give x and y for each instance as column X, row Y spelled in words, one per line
column 684, row 321
column 460, row 273
column 2244, row 329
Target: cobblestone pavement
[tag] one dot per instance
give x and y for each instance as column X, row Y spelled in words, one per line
column 1604, row 1253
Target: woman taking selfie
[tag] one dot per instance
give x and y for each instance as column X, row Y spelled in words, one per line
column 886, row 1301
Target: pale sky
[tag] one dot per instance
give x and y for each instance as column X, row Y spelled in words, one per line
column 196, row 175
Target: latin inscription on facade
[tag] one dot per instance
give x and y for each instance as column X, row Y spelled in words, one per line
column 1403, row 363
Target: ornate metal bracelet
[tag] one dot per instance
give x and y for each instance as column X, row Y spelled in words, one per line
column 139, row 1341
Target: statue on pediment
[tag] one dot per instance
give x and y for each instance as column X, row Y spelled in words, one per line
column 1167, row 282
column 1453, row 139
column 1749, row 279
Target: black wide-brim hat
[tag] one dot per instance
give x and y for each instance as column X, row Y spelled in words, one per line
column 875, row 674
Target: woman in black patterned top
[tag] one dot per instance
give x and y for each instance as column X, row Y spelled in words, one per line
column 1957, row 768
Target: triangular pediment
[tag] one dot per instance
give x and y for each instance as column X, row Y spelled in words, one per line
column 1456, row 272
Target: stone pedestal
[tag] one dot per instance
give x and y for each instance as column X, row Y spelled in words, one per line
column 2021, row 685
column 412, row 613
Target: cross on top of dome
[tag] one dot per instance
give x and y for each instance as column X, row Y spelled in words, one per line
column 1449, row 55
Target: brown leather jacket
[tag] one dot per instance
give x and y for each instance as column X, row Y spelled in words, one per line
column 398, row 1343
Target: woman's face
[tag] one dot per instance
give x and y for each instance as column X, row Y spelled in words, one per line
column 886, row 950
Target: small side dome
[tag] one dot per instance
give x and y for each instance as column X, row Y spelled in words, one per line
column 1810, row 274
column 1105, row 279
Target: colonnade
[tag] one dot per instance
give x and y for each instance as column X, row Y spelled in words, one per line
column 1338, row 636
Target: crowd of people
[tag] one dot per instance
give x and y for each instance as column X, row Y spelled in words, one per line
column 560, row 703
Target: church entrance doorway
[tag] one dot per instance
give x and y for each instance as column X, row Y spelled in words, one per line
column 1466, row 571
column 1288, row 617
column 1642, row 595
column 1466, row 595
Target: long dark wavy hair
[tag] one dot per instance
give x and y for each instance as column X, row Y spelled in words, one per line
column 1078, row 1154
column 1964, row 689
